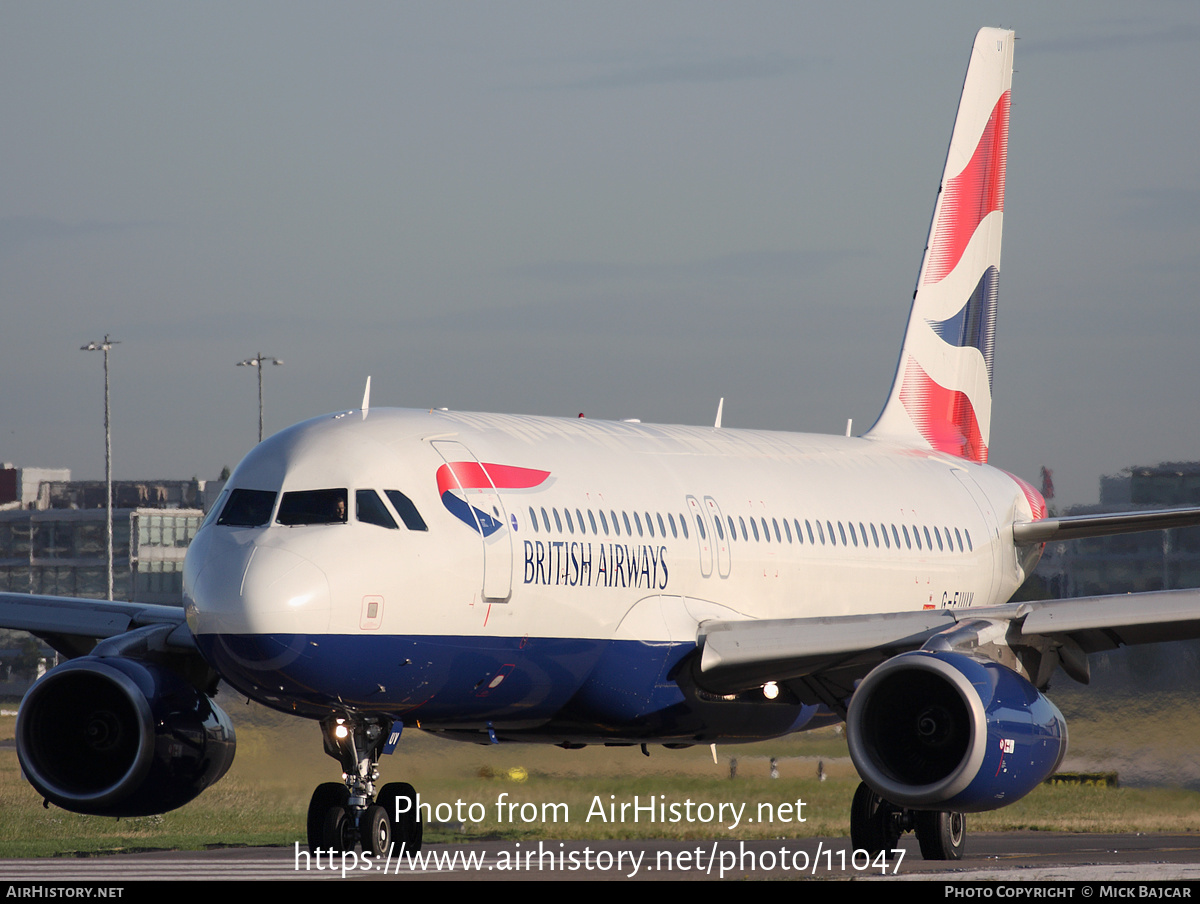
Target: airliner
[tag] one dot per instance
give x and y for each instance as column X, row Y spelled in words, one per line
column 498, row 578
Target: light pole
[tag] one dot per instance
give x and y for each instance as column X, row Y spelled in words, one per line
column 258, row 361
column 106, row 347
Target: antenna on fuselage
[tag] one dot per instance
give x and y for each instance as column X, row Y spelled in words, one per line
column 366, row 405
column 720, row 408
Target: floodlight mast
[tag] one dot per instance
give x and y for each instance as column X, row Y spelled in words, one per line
column 258, row 361
column 106, row 346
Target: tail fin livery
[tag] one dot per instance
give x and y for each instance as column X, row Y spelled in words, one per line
column 942, row 393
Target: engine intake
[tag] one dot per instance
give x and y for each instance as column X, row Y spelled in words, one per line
column 120, row 737
column 946, row 731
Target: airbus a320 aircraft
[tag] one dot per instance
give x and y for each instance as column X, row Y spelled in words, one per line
column 500, row 578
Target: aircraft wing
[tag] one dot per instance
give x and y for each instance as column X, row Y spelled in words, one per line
column 1074, row 527
column 820, row 659
column 73, row 626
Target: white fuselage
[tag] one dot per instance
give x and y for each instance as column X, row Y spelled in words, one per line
column 579, row 530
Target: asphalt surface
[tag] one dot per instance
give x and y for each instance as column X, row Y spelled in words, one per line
column 991, row 857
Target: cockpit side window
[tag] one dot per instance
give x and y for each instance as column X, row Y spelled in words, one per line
column 217, row 508
column 406, row 510
column 247, row 508
column 313, row 507
column 369, row 509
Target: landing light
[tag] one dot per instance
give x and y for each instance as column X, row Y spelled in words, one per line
column 341, row 732
column 770, row 690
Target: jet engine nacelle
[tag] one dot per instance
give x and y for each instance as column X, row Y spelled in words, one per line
column 946, row 731
column 120, row 737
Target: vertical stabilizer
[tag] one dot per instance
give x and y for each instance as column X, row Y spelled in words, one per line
column 941, row 397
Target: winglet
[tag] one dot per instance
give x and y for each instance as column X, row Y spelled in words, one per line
column 366, row 405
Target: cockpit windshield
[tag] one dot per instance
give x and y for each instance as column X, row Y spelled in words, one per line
column 247, row 508
column 369, row 509
column 313, row 507
column 406, row 510
column 252, row 508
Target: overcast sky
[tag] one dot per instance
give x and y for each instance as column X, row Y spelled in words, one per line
column 629, row 209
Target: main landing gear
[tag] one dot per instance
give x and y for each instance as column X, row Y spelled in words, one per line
column 876, row 825
column 343, row 815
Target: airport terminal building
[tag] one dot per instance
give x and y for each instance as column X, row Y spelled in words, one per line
column 53, row 536
column 1130, row 563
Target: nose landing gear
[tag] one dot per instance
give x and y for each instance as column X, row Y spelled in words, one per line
column 344, row 815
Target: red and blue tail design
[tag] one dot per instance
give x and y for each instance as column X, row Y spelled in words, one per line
column 942, row 395
column 461, row 477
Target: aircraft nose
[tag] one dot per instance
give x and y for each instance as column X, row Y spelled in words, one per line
column 246, row 588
